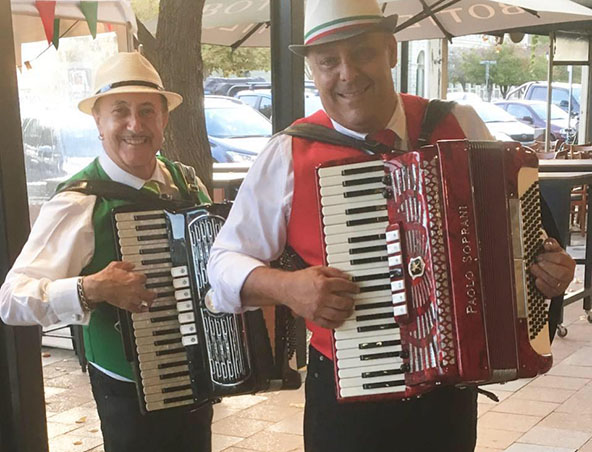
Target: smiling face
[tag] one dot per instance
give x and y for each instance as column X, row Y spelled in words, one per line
column 355, row 81
column 132, row 126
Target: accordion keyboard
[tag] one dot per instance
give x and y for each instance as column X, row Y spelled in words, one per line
column 161, row 333
column 368, row 350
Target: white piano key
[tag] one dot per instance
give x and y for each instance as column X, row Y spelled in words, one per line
column 190, row 340
column 399, row 297
column 144, row 332
column 339, row 209
column 187, row 317
column 353, row 234
column 355, row 362
column 338, row 199
column 156, row 385
column 150, row 348
column 141, row 225
column 394, row 248
column 336, row 170
column 148, row 324
column 155, row 406
column 397, row 286
column 329, row 181
column 385, row 310
column 179, row 272
column 357, row 353
column 189, row 328
column 164, row 301
column 144, row 248
column 360, row 392
column 379, row 336
column 359, row 382
column 181, row 283
column 400, row 310
column 336, row 259
column 340, row 190
column 149, row 366
column 137, row 316
column 343, row 219
column 351, row 269
column 183, row 294
column 393, row 235
column 373, row 283
column 184, row 306
column 356, row 372
column 353, row 324
column 150, row 398
column 155, row 372
column 395, row 260
column 370, row 297
column 146, row 357
column 126, row 235
column 354, row 334
column 131, row 216
column 147, row 340
column 343, row 229
column 347, row 247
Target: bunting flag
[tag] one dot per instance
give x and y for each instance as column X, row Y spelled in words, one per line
column 90, row 9
column 56, row 33
column 47, row 13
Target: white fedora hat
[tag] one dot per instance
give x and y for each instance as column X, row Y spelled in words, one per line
column 333, row 20
column 127, row 72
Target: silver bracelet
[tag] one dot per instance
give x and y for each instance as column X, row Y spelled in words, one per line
column 82, row 296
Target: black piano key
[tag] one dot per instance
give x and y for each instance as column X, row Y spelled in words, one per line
column 379, row 356
column 158, row 284
column 174, row 375
column 365, row 209
column 172, row 364
column 177, row 399
column 357, row 193
column 364, row 221
column 370, row 277
column 163, row 319
column 168, row 341
column 175, row 388
column 148, row 238
column 164, row 249
column 384, row 384
column 160, row 274
column 165, row 332
column 165, row 294
column 363, row 181
column 170, row 352
column 374, row 288
column 149, row 216
column 164, row 307
column 367, row 169
column 397, row 272
column 363, row 307
column 149, row 227
column 366, row 238
column 385, row 315
column 367, row 329
column 368, row 249
column 368, row 260
column 164, row 260
column 381, row 373
column 380, row 344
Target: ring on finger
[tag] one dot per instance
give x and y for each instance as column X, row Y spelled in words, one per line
column 143, row 304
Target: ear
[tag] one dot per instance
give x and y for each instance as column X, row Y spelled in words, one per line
column 165, row 118
column 97, row 119
column 392, row 49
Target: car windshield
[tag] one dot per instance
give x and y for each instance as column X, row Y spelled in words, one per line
column 236, row 122
column 492, row 113
column 556, row 112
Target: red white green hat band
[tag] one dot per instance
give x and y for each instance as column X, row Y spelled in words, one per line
column 339, row 26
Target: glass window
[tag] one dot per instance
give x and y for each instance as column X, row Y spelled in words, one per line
column 250, row 100
column 265, row 106
column 518, row 111
column 236, row 121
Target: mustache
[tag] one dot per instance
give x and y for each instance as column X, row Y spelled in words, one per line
column 133, row 136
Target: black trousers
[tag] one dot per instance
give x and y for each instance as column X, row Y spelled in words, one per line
column 444, row 420
column 125, row 429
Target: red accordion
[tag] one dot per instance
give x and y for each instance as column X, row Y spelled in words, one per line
column 439, row 241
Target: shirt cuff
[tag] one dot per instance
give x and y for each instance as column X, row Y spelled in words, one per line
column 227, row 293
column 63, row 297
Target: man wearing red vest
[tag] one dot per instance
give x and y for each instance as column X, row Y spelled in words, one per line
column 351, row 50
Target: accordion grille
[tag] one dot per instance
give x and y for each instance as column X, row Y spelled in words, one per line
column 227, row 352
column 531, row 217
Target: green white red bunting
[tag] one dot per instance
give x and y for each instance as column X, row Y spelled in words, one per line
column 47, row 13
column 51, row 24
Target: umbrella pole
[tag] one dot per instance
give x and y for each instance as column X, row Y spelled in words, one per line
column 549, row 91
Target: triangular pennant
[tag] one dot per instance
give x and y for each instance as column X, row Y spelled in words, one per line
column 47, row 13
column 89, row 9
column 56, row 33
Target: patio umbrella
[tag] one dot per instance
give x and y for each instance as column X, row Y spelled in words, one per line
column 245, row 22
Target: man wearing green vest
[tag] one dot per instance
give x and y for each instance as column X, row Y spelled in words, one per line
column 68, row 270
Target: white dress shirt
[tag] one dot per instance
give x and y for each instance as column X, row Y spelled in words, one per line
column 255, row 232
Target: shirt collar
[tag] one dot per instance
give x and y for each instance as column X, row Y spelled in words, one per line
column 397, row 123
column 120, row 175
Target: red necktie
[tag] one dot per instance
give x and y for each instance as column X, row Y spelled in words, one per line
column 386, row 137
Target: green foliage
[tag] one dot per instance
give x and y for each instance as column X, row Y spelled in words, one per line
column 146, row 9
column 222, row 59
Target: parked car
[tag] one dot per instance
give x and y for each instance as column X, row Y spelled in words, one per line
column 560, row 96
column 502, row 125
column 534, row 113
column 237, row 132
column 222, row 85
column 260, row 99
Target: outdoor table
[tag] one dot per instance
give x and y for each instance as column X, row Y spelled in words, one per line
column 556, row 190
column 576, row 165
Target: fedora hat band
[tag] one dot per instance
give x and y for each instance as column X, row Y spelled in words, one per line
column 111, row 86
column 339, row 26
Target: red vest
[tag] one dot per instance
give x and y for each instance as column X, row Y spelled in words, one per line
column 304, row 228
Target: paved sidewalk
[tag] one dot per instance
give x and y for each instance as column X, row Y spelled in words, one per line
column 552, row 413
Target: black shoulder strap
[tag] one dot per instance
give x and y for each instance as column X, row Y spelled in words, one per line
column 316, row 132
column 435, row 112
column 115, row 190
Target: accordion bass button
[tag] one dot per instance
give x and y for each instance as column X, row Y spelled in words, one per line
column 404, row 354
column 405, row 367
column 387, row 193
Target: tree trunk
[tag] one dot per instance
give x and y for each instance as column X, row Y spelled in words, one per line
column 176, row 54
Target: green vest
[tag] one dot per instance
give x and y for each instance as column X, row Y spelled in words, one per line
column 102, row 339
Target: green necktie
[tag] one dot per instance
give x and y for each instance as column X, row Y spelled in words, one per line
column 152, row 186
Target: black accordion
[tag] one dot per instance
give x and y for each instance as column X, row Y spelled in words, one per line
column 184, row 353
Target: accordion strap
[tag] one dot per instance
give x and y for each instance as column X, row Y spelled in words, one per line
column 435, row 112
column 316, row 132
column 115, row 190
